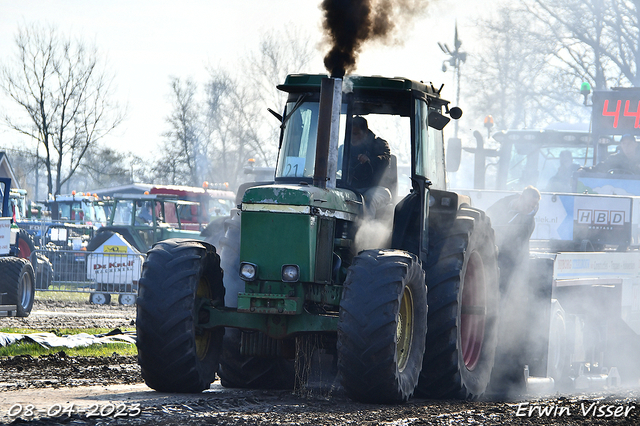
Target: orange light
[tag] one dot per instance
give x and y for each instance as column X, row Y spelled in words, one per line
column 73, row 192
column 252, row 160
column 226, row 184
column 205, row 184
column 146, row 192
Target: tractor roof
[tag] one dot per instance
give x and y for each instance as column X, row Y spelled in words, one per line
column 546, row 137
column 311, row 82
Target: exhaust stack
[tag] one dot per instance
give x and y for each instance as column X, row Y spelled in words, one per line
column 326, row 165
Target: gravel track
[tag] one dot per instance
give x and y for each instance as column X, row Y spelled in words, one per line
column 57, row 381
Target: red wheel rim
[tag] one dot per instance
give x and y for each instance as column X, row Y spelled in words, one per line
column 25, row 251
column 473, row 311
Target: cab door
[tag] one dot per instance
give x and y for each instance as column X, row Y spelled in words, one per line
column 422, row 165
column 411, row 218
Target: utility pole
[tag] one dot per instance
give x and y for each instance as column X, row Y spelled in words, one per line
column 35, row 198
column 456, row 58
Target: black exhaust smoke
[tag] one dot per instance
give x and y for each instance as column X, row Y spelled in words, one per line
column 349, row 23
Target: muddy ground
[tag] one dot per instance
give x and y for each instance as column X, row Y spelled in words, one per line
column 62, row 390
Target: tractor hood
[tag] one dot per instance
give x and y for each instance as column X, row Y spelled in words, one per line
column 301, row 199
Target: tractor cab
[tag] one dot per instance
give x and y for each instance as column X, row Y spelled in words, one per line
column 396, row 110
column 144, row 219
column 79, row 208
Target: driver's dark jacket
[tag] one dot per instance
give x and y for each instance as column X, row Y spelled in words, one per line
column 617, row 162
column 366, row 175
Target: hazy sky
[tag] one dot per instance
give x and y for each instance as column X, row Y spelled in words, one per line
column 147, row 41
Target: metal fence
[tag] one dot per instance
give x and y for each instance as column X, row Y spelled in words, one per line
column 64, row 236
column 82, row 271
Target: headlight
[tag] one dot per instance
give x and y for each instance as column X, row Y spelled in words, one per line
column 248, row 271
column 290, row 273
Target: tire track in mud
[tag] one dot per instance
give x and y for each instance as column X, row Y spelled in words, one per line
column 100, row 381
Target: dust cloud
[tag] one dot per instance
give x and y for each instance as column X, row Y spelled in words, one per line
column 373, row 234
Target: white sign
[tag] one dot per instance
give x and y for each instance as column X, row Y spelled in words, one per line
column 5, row 235
column 115, row 262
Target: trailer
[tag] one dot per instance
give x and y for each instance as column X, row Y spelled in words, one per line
column 570, row 312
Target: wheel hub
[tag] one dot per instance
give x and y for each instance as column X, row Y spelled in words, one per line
column 404, row 332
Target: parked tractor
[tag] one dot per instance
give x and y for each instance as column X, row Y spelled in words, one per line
column 571, row 313
column 144, row 219
column 215, row 202
column 82, row 208
column 298, row 272
column 136, row 222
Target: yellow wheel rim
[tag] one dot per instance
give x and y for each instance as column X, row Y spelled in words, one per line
column 404, row 333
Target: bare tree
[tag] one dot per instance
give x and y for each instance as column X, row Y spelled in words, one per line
column 223, row 128
column 214, row 139
column 184, row 147
column 24, row 163
column 280, row 52
column 237, row 123
column 105, row 167
column 536, row 54
column 64, row 94
column 595, row 40
column 511, row 77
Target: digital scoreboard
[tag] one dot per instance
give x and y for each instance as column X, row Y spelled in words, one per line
column 616, row 112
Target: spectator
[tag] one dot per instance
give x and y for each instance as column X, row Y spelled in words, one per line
column 513, row 219
column 562, row 180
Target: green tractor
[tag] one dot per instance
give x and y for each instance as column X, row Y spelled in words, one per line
column 302, row 261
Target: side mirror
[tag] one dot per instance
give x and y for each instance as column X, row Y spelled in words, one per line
column 455, row 113
column 437, row 120
column 454, row 154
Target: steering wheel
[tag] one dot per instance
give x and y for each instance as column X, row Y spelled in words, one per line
column 362, row 172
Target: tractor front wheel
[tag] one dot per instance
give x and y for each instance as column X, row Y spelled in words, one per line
column 174, row 353
column 382, row 326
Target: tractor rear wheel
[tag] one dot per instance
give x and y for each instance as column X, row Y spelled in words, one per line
column 17, row 280
column 462, row 275
column 175, row 355
column 382, row 326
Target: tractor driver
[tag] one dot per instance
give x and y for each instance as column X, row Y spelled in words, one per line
column 625, row 160
column 144, row 213
column 369, row 160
